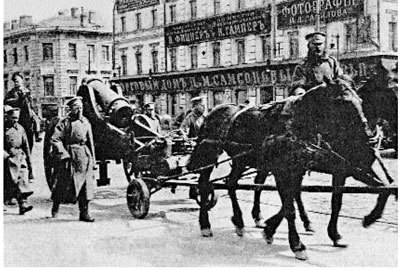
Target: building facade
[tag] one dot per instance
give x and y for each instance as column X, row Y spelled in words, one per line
column 168, row 51
column 54, row 55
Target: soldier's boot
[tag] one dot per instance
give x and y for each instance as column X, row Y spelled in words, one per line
column 23, row 207
column 54, row 209
column 84, row 211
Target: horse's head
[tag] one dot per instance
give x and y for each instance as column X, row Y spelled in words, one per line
column 333, row 112
column 380, row 99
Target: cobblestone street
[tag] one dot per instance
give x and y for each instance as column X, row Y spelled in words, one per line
column 170, row 236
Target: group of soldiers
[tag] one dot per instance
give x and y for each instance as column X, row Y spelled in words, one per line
column 73, row 144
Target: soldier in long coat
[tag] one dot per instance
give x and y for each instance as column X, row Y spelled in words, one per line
column 18, row 177
column 72, row 141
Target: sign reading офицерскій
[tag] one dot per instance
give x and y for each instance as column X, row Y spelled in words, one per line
column 127, row 5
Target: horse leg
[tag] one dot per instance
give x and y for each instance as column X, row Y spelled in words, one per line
column 303, row 212
column 237, row 220
column 336, row 205
column 205, row 187
column 377, row 211
column 287, row 191
column 255, row 212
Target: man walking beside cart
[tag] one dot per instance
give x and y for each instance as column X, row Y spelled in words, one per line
column 18, row 177
column 74, row 148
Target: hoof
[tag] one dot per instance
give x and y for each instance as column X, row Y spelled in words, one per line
column 239, row 231
column 260, row 223
column 339, row 244
column 206, row 233
column 301, row 255
column 309, row 228
column 367, row 221
column 268, row 238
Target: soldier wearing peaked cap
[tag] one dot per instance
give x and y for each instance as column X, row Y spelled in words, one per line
column 193, row 121
column 317, row 67
column 18, row 177
column 73, row 145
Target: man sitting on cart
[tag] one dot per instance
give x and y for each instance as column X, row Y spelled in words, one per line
column 150, row 118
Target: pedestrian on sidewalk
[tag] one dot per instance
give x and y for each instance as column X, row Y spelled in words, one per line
column 18, row 176
column 72, row 141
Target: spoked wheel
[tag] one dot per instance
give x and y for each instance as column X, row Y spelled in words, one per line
column 138, row 198
column 212, row 198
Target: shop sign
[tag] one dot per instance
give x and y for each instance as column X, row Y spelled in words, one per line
column 237, row 24
column 296, row 13
column 127, row 5
column 359, row 69
column 254, row 76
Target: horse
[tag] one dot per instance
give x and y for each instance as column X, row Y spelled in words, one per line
column 380, row 101
column 322, row 130
column 223, row 116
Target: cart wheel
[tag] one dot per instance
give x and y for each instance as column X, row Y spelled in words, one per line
column 212, row 199
column 138, row 198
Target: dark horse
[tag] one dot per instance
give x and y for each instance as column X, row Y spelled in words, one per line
column 323, row 130
column 380, row 101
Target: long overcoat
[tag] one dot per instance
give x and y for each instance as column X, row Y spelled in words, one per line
column 72, row 142
column 21, row 98
column 17, row 162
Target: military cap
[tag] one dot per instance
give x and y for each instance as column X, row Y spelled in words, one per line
column 7, row 108
column 316, row 37
column 11, row 110
column 197, row 100
column 73, row 101
column 149, row 104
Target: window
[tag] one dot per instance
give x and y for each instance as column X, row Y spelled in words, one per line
column 216, row 47
column 5, row 57
column 154, row 17
column 138, row 56
column 293, row 46
column 350, row 36
column 105, row 53
column 240, row 51
column 15, row 55
column 123, row 24
column 240, row 4
column 393, row 36
column 172, row 53
column 193, row 57
column 278, row 49
column 124, row 64
column 154, row 60
column 217, row 6
column 72, row 51
column 48, row 85
column 266, row 48
column 172, row 12
column 73, row 83
column 26, row 52
column 47, row 51
column 5, row 85
column 193, row 9
column 91, row 54
column 138, row 21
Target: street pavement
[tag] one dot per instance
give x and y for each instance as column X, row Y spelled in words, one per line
column 170, row 234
